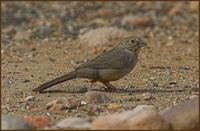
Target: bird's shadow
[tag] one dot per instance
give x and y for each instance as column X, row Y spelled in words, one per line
column 62, row 91
column 133, row 90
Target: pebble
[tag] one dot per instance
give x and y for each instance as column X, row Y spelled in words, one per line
column 13, row 123
column 52, row 59
column 183, row 116
column 99, row 21
column 83, row 103
column 102, row 36
column 25, row 81
column 62, row 103
column 51, row 103
column 193, row 96
column 135, row 20
column 114, row 106
column 22, row 35
column 184, row 68
column 93, row 109
column 147, row 96
column 72, row 103
column 104, row 12
column 30, row 98
column 94, row 97
column 172, row 83
column 140, row 108
column 170, row 43
column 37, row 121
column 73, row 123
column 176, row 9
column 56, row 108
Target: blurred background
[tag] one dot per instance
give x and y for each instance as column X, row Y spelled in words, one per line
column 67, row 20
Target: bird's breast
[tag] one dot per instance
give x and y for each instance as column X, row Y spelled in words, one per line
column 115, row 74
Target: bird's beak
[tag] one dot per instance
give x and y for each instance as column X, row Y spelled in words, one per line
column 143, row 43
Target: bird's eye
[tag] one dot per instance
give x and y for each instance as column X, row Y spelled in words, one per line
column 132, row 41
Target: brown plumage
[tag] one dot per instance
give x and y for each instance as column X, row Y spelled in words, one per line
column 109, row 66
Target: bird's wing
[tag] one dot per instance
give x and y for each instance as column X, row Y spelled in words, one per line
column 115, row 59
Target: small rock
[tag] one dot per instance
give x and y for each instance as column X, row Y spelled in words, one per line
column 30, row 98
column 176, row 9
column 114, row 106
column 63, row 103
column 9, row 30
column 48, row 114
column 172, row 83
column 72, row 103
column 2, row 51
column 52, row 59
column 99, row 21
column 93, row 109
column 193, row 96
column 33, row 49
column 102, row 36
column 25, row 81
column 135, row 20
column 51, row 103
column 141, row 108
column 104, row 12
column 183, row 116
column 22, row 35
column 56, row 108
column 83, row 103
column 170, row 43
column 13, row 123
column 134, row 119
column 185, row 68
column 94, row 97
column 147, row 96
column 195, row 93
column 37, row 121
column 74, row 123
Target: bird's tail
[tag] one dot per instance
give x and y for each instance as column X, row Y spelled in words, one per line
column 68, row 76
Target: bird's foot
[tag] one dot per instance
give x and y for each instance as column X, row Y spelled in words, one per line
column 112, row 89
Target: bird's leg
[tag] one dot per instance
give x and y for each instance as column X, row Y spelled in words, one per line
column 110, row 87
column 92, row 83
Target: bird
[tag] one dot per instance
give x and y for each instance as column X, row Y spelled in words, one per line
column 106, row 67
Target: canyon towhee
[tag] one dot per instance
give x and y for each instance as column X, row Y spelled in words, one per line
column 109, row 66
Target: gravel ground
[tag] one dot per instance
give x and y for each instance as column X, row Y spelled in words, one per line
column 39, row 41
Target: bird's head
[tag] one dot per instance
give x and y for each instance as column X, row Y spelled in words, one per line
column 133, row 44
